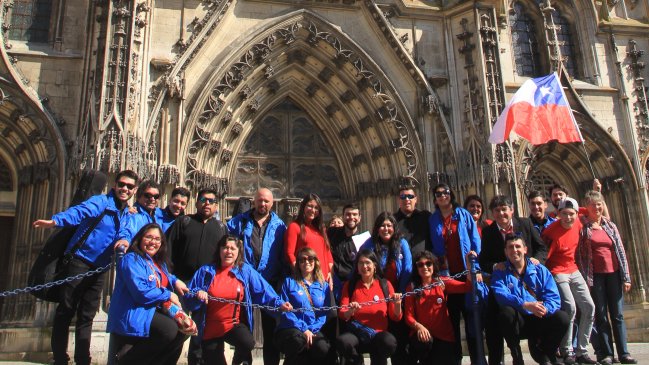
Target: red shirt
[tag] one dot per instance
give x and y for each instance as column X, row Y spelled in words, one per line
column 221, row 317
column 430, row 309
column 374, row 316
column 452, row 243
column 164, row 280
column 312, row 239
column 562, row 244
column 604, row 260
column 487, row 223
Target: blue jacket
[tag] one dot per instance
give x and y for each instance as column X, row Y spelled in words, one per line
column 270, row 263
column 403, row 260
column 294, row 293
column 136, row 296
column 257, row 290
column 466, row 228
column 164, row 218
column 98, row 248
column 509, row 290
column 135, row 221
column 540, row 227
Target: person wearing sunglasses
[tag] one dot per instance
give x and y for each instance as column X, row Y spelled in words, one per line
column 454, row 234
column 426, row 314
column 141, row 330
column 412, row 222
column 106, row 213
column 193, row 239
column 146, row 211
column 299, row 334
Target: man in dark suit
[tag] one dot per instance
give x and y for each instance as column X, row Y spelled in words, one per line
column 493, row 252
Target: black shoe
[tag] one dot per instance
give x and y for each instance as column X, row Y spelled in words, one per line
column 606, row 361
column 627, row 359
column 585, row 359
column 615, row 360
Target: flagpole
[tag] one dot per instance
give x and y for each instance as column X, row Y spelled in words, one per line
column 592, row 170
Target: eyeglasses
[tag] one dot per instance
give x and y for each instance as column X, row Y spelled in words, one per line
column 305, row 259
column 421, row 264
column 204, row 200
column 121, row 184
column 407, row 196
column 152, row 239
column 149, row 196
column 441, row 193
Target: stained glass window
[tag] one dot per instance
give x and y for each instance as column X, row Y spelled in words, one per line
column 30, row 20
column 524, row 42
column 566, row 42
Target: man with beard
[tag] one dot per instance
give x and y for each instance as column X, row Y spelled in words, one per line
column 262, row 233
column 193, row 241
column 176, row 207
column 343, row 248
column 412, row 222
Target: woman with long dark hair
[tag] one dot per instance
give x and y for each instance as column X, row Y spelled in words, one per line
column 366, row 326
column 426, row 314
column 298, row 334
column 308, row 230
column 474, row 205
column 454, row 234
column 229, row 277
column 392, row 250
column 141, row 328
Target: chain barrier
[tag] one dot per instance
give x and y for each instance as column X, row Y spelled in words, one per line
column 29, row 289
column 336, row 307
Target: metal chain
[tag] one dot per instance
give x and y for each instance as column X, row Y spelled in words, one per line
column 328, row 308
column 29, row 289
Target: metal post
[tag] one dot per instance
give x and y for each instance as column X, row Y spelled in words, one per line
column 477, row 314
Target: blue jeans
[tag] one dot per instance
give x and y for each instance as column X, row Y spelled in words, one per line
column 608, row 296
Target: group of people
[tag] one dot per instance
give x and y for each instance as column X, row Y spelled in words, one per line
column 328, row 298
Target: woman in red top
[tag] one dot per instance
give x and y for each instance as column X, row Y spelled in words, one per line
column 367, row 324
column 308, row 230
column 431, row 330
column 475, row 206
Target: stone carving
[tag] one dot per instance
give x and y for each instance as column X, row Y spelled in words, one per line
column 640, row 104
column 365, row 123
column 273, row 86
column 346, row 132
column 215, row 146
column 332, row 109
column 168, row 174
column 312, row 89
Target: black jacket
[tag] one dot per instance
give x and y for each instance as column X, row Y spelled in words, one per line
column 415, row 229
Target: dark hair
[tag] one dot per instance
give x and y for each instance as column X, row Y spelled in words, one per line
column 557, row 186
column 499, row 201
column 317, row 222
column 416, row 279
column 394, row 245
column 514, row 237
column 160, row 257
column 222, row 242
column 181, row 191
column 537, row 194
column 404, row 188
column 351, row 206
column 482, row 222
column 203, row 192
column 445, row 187
column 369, row 254
column 144, row 185
column 127, row 173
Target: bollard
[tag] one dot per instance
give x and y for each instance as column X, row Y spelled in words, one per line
column 119, row 255
column 477, row 315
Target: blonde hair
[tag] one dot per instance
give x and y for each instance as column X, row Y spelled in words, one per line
column 593, row 196
column 317, row 271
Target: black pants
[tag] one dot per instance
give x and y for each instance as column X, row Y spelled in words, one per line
column 380, row 348
column 239, row 336
column 457, row 309
column 194, row 352
column 292, row 343
column 80, row 297
column 492, row 331
column 543, row 334
column 435, row 351
column 268, row 325
column 163, row 346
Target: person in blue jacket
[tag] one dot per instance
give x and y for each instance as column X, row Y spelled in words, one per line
column 229, row 278
column 141, row 331
column 146, row 205
column 81, row 297
column 176, row 208
column 530, row 304
column 298, row 334
column 262, row 232
column 454, row 234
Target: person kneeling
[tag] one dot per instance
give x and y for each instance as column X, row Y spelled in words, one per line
column 530, row 304
column 367, row 325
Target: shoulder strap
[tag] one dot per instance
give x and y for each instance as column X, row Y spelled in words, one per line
column 86, row 234
column 384, row 287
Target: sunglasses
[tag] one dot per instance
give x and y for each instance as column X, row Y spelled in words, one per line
column 204, row 200
column 150, row 196
column 407, row 196
column 439, row 194
column 309, row 259
column 121, row 184
column 421, row 264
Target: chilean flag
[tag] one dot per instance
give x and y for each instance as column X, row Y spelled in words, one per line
column 538, row 112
